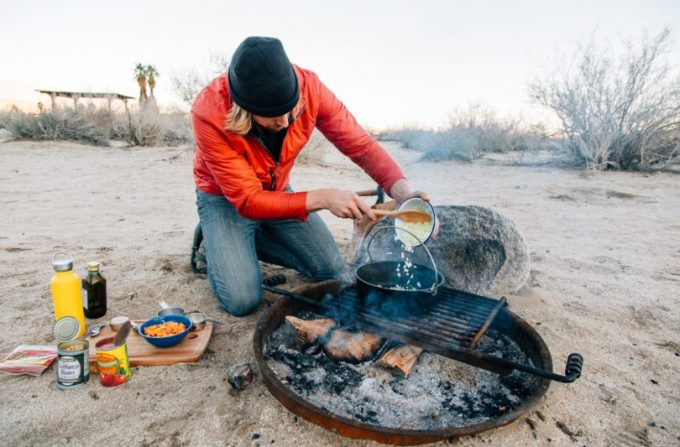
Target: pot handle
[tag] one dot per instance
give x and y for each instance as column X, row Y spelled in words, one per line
column 435, row 285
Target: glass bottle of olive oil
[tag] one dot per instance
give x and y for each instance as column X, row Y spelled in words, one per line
column 94, row 292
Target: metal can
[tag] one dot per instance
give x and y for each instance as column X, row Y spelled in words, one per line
column 112, row 362
column 73, row 363
column 66, row 328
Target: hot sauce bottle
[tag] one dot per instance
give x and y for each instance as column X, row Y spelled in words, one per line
column 94, row 292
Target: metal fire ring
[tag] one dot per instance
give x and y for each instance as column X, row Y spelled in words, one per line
column 522, row 333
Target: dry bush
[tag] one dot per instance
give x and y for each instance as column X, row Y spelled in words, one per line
column 410, row 137
column 315, row 150
column 98, row 127
column 471, row 133
column 148, row 128
column 4, row 119
column 177, row 128
column 84, row 125
column 139, row 128
column 620, row 111
column 189, row 82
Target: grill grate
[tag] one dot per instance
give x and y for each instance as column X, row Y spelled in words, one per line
column 451, row 328
column 457, row 320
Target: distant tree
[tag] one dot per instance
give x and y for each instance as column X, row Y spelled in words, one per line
column 617, row 111
column 188, row 83
column 151, row 74
column 140, row 77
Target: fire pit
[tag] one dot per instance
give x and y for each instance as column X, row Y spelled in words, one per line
column 440, row 399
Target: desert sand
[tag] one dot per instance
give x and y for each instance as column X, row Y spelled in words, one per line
column 605, row 282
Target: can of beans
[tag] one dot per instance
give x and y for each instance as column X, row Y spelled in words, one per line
column 112, row 362
column 73, row 363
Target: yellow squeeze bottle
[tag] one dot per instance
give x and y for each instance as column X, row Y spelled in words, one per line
column 66, row 295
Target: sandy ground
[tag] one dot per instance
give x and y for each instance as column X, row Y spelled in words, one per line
column 605, row 281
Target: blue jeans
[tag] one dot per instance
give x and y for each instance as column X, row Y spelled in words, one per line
column 233, row 244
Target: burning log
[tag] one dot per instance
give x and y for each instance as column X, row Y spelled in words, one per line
column 310, row 330
column 402, row 358
column 351, row 346
column 342, row 345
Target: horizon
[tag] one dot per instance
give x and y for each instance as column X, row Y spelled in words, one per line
column 393, row 64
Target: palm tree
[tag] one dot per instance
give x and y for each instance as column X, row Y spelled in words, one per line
column 151, row 74
column 140, row 77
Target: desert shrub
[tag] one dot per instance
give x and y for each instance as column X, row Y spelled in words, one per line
column 189, row 82
column 83, row 125
column 177, row 128
column 315, row 150
column 147, row 127
column 470, row 133
column 409, row 137
column 139, row 128
column 617, row 110
column 150, row 129
column 4, row 119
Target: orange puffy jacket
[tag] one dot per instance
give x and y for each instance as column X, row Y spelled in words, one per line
column 241, row 169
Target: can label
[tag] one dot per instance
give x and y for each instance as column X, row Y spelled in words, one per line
column 73, row 363
column 112, row 363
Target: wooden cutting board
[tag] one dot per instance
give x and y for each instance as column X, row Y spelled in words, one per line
column 142, row 353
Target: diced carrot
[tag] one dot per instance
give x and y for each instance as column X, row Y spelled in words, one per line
column 164, row 329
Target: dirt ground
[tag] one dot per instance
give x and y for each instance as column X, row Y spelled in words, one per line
column 605, row 282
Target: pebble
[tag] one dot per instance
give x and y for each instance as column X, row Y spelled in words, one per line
column 240, row 376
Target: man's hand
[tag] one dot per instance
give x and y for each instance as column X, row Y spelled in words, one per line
column 401, row 191
column 339, row 202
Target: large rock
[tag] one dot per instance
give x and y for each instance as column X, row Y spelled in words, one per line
column 477, row 249
column 480, row 251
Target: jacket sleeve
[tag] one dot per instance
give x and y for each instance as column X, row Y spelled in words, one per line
column 238, row 181
column 341, row 129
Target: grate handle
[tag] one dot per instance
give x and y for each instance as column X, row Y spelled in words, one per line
column 574, row 366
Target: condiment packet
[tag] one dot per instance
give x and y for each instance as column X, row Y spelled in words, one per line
column 29, row 359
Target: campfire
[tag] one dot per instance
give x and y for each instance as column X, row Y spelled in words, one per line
column 361, row 376
column 466, row 365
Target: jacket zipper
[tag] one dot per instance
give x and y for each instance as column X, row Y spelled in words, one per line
column 272, row 174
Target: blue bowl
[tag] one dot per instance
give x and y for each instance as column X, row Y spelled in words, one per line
column 170, row 340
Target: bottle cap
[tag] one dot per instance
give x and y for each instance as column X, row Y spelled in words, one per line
column 93, row 266
column 62, row 263
column 66, row 328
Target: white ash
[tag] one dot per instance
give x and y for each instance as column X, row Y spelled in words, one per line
column 439, row 393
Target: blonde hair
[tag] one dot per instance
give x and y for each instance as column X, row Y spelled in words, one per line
column 238, row 120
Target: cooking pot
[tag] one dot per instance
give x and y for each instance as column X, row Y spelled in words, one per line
column 398, row 288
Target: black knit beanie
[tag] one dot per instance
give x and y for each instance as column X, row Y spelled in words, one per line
column 262, row 79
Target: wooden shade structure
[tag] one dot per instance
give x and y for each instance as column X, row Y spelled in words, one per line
column 78, row 95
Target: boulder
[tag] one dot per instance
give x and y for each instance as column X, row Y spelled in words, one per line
column 480, row 251
column 477, row 249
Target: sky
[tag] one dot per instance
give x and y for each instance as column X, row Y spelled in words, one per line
column 392, row 63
